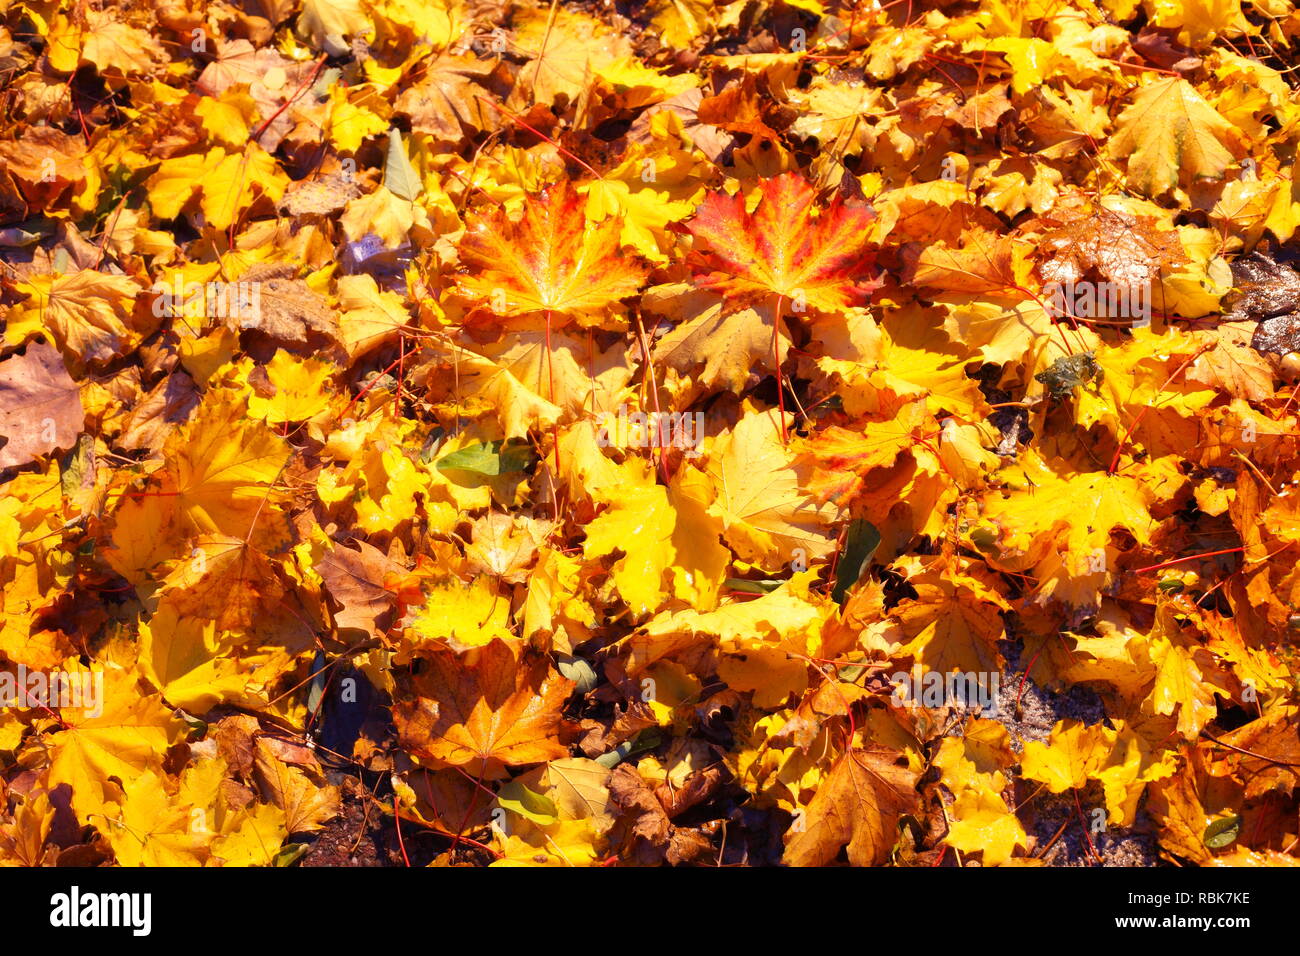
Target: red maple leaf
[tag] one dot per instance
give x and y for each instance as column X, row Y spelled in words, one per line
column 782, row 249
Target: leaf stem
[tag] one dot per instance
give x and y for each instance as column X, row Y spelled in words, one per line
column 776, row 362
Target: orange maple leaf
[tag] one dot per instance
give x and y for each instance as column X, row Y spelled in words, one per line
column 552, row 260
column 501, row 711
column 858, row 804
column 781, row 249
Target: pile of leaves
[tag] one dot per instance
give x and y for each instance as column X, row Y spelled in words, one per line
column 555, row 433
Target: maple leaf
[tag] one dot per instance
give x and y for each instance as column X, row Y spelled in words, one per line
column 564, row 369
column 113, row 46
column 306, row 805
column 953, row 623
column 226, row 467
column 1170, row 134
column 1072, row 754
column 445, row 101
column 23, row 840
column 225, row 581
column 356, row 579
column 24, row 637
column 89, row 313
column 982, row 822
column 127, row 736
column 40, row 407
column 681, row 22
column 1134, row 762
column 858, row 805
column 980, row 263
column 180, row 657
column 1176, row 806
column 564, row 49
column 45, row 162
column 738, row 110
column 499, row 711
column 251, row 837
column 1233, row 369
column 552, row 260
column 758, row 489
column 151, row 829
column 1126, row 248
column 370, row 315
column 730, row 345
column 647, row 208
column 788, row 617
column 1180, row 687
column 460, row 616
column 1077, row 510
column 580, row 788
column 782, row 249
column 972, row 769
column 839, row 454
column 659, row 530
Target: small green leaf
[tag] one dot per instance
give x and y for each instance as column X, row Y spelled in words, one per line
column 399, row 175
column 1222, row 832
column 517, row 798
column 648, row 739
column 580, row 672
column 614, row 757
column 859, row 546
column 851, row 673
column 196, row 727
column 491, row 459
column 515, row 456
column 752, row 587
column 290, row 854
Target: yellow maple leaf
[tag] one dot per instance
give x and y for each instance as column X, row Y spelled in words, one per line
column 982, row 822
column 1072, row 755
column 301, row 389
column 1181, row 688
column 149, row 828
column 179, row 656
column 1170, row 135
column 226, row 468
column 122, row 736
column 757, row 489
column 658, row 532
column 461, row 616
column 90, row 313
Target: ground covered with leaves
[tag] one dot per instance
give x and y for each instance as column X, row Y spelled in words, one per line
column 525, row 433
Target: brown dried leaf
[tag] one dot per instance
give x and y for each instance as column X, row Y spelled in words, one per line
column 40, row 406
